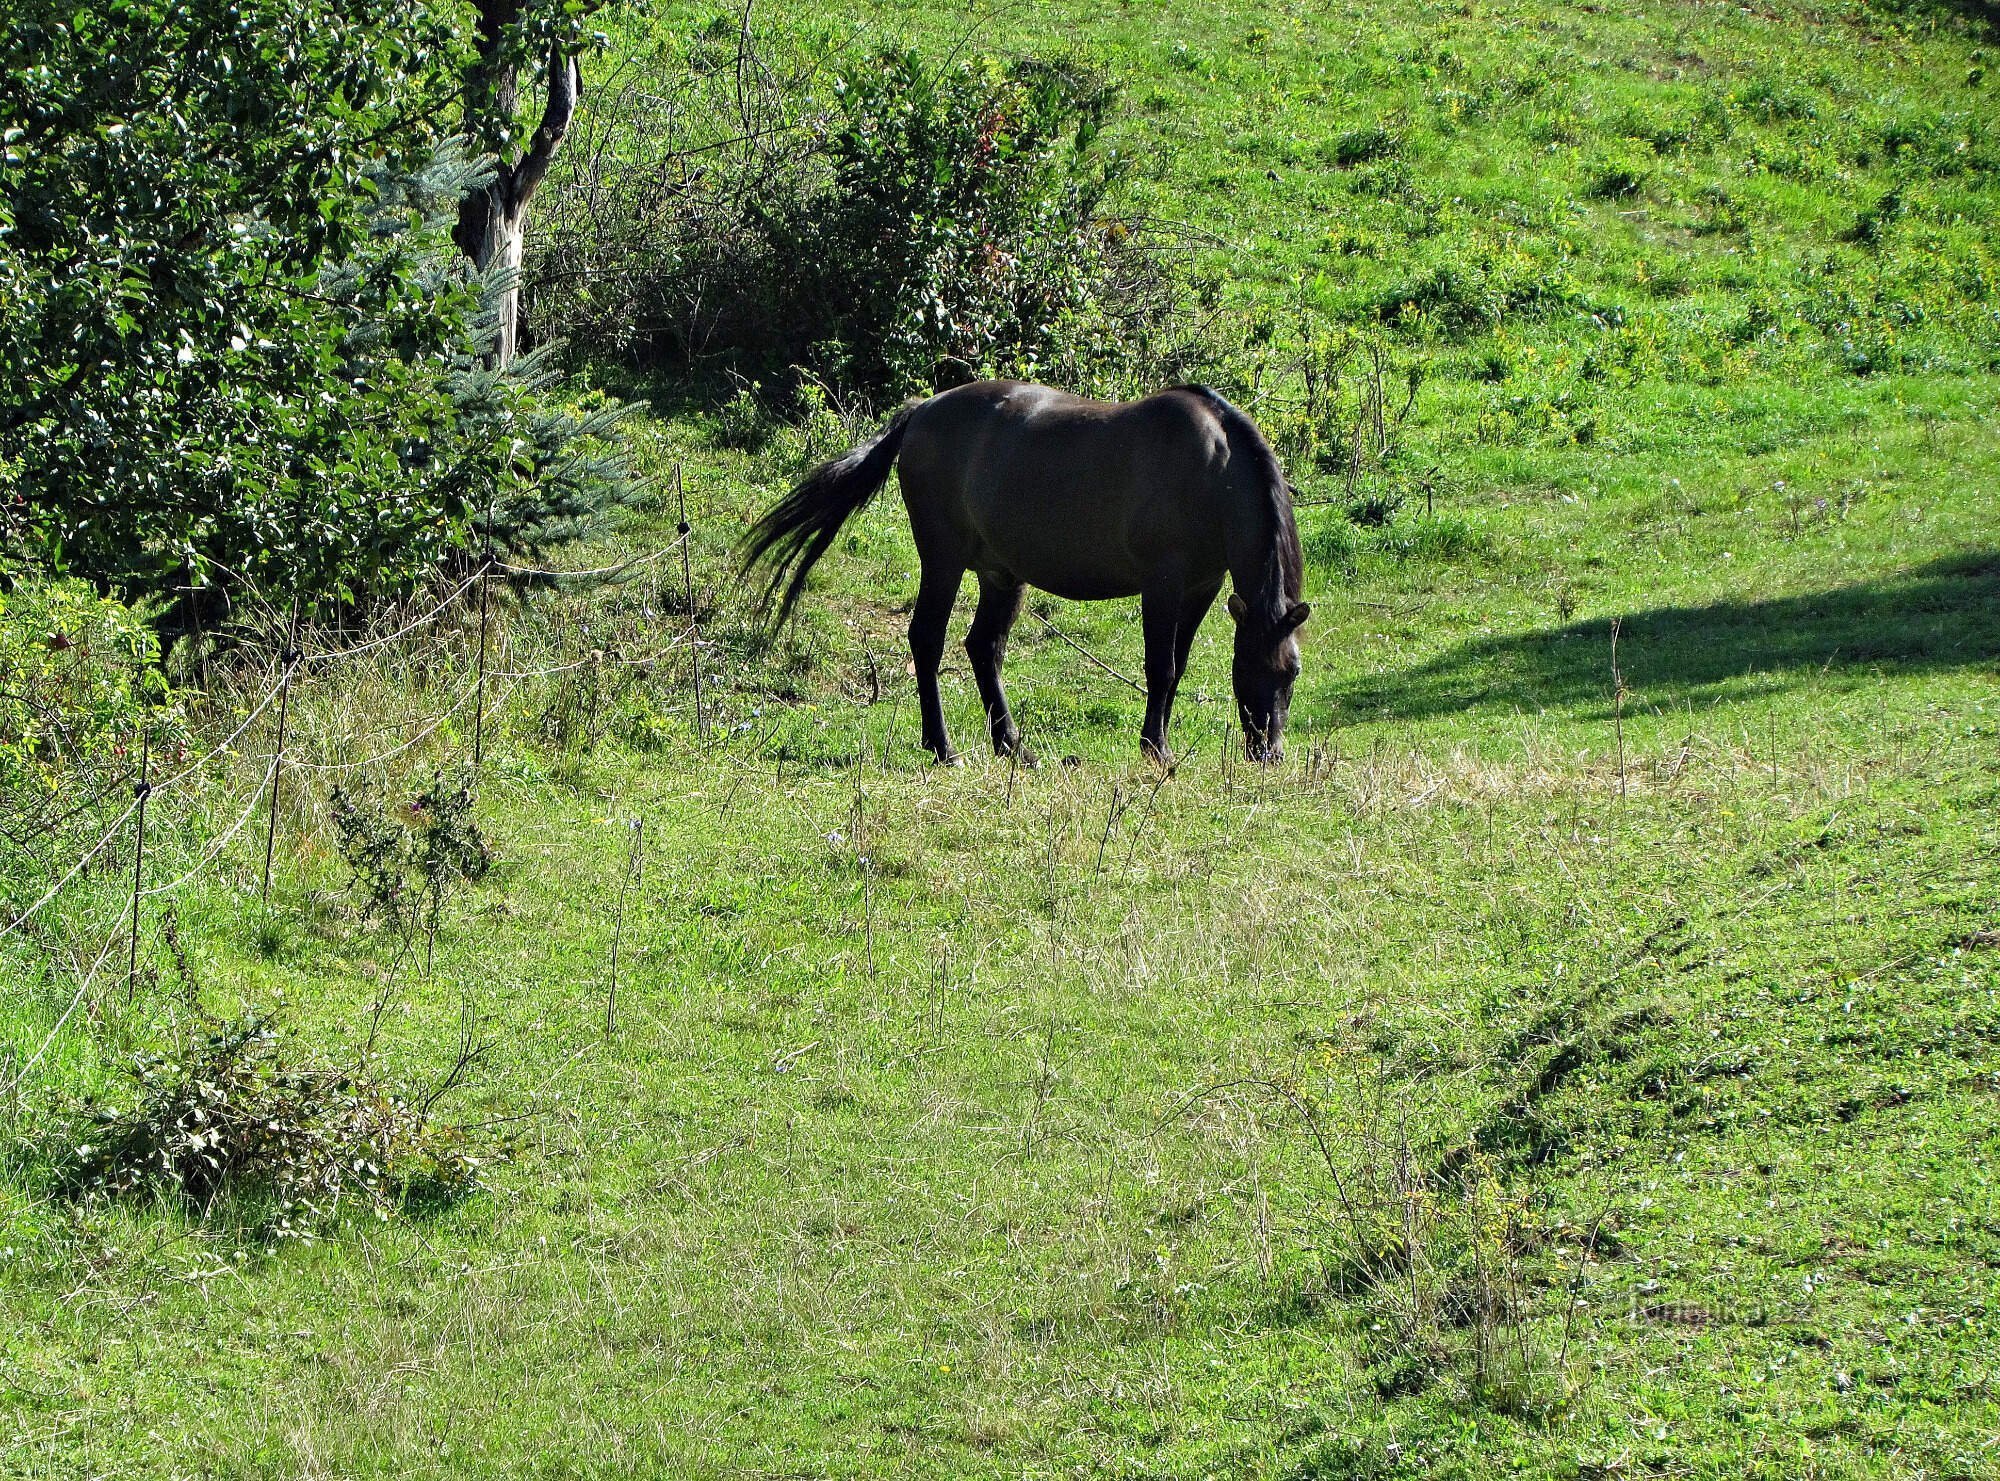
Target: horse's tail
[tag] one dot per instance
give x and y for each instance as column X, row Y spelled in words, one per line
column 788, row 541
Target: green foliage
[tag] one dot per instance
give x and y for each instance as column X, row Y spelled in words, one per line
column 930, row 223
column 407, row 858
column 1617, row 180
column 79, row 683
column 1358, row 146
column 237, row 348
column 235, row 1110
column 962, row 233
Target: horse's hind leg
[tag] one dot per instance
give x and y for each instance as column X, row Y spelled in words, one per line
column 1159, row 618
column 986, row 647
column 937, row 589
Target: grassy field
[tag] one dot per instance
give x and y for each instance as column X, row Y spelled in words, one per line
column 1576, row 1060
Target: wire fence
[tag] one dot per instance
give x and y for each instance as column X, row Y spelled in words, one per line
column 487, row 687
column 482, row 685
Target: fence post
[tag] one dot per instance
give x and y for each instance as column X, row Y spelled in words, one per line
column 142, row 789
column 291, row 660
column 479, row 701
column 635, row 867
column 687, row 580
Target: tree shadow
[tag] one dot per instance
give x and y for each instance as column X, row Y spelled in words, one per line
column 1943, row 615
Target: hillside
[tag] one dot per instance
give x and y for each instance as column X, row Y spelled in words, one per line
column 1580, row 1058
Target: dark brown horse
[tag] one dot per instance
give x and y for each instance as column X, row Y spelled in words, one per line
column 1028, row 486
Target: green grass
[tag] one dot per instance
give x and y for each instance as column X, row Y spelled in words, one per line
column 994, row 1155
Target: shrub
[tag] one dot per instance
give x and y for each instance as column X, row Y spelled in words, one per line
column 928, row 225
column 235, row 1111
column 407, row 859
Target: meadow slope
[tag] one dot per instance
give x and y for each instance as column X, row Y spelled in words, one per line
column 1581, row 1058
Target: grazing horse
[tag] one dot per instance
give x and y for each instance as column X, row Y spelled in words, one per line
column 1029, row 486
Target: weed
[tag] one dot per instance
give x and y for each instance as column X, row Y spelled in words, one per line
column 408, row 857
column 1331, row 543
column 1454, row 299
column 1439, row 538
column 1358, row 146
column 235, row 1110
column 1617, row 180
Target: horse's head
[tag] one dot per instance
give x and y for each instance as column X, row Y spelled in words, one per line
column 1266, row 666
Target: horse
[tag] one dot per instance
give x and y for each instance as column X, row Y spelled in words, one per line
column 1026, row 485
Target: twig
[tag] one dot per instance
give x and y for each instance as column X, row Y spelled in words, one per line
column 1128, row 683
column 1110, row 822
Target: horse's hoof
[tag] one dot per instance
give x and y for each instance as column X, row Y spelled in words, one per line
column 947, row 758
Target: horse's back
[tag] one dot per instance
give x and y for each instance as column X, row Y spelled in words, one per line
column 1008, row 430
column 1084, row 498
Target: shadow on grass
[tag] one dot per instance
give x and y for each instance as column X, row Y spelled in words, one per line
column 1943, row 615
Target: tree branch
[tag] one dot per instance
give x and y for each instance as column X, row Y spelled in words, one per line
column 565, row 85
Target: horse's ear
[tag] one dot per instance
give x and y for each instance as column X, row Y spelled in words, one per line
column 1238, row 608
column 1293, row 619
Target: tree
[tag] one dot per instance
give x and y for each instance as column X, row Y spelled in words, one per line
column 544, row 40
column 236, row 345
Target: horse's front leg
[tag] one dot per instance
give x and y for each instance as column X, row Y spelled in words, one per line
column 1160, row 618
column 937, row 589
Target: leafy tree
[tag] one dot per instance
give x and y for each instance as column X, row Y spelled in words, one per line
column 235, row 343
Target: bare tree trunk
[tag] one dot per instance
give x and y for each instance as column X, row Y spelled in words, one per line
column 492, row 232
column 493, row 222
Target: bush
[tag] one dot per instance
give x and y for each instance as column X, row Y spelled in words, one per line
column 79, row 681
column 408, row 859
column 235, row 1112
column 928, row 224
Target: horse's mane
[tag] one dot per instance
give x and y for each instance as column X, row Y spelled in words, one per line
column 1247, row 441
